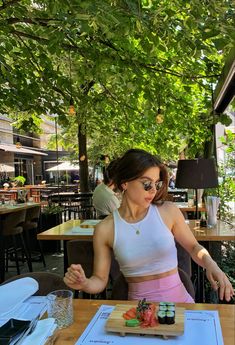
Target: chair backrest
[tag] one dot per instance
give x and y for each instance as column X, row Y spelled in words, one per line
column 184, row 259
column 32, row 214
column 81, row 252
column 47, row 282
column 120, row 286
column 12, row 225
column 186, row 280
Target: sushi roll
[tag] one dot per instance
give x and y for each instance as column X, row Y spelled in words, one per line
column 161, row 315
column 171, row 308
column 162, row 303
column 163, row 308
column 170, row 318
column 170, row 304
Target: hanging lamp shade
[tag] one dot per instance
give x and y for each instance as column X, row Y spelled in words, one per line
column 196, row 173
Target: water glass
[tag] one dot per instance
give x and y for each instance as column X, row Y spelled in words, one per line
column 60, row 307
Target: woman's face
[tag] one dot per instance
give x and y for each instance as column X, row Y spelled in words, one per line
column 142, row 190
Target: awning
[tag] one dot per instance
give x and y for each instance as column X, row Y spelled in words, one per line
column 65, row 166
column 6, row 168
column 22, row 150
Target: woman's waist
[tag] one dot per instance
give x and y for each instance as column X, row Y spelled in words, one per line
column 139, row 279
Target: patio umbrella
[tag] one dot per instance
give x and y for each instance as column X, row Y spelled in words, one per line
column 65, row 166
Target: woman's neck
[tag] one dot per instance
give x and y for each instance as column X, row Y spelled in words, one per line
column 131, row 212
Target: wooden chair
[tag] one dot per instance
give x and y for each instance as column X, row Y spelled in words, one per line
column 81, row 252
column 47, row 282
column 13, row 238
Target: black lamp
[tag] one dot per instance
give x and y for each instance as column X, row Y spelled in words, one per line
column 196, row 174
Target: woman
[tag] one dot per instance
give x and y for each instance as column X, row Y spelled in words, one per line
column 141, row 233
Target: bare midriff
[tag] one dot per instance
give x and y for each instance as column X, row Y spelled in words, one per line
column 151, row 277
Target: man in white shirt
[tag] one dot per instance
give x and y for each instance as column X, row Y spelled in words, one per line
column 105, row 200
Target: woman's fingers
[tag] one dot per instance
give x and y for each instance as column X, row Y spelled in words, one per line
column 222, row 283
column 75, row 275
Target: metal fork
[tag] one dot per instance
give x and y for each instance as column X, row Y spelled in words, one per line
column 27, row 332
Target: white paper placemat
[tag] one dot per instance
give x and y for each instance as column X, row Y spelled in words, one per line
column 80, row 231
column 91, row 222
column 201, row 327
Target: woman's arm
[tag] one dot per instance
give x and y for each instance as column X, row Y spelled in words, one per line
column 75, row 277
column 199, row 254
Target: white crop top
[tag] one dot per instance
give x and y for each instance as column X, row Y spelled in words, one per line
column 144, row 248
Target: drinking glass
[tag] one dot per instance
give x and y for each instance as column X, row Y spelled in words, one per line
column 60, row 307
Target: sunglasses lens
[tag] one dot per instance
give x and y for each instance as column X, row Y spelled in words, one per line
column 147, row 186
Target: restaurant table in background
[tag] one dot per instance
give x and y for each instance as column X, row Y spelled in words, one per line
column 183, row 206
column 69, row 230
column 84, row 310
column 4, row 210
column 209, row 237
column 220, row 232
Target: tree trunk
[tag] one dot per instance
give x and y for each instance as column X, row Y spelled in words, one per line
column 83, row 162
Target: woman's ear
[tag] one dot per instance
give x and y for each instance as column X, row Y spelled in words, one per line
column 124, row 186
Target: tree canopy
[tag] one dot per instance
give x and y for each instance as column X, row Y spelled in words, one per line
column 140, row 73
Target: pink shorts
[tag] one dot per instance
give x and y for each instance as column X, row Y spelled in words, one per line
column 170, row 289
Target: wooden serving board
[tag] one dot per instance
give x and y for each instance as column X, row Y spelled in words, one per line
column 116, row 323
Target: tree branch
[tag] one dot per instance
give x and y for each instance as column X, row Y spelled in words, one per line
column 8, row 4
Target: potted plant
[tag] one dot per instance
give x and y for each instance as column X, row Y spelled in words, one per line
column 19, row 181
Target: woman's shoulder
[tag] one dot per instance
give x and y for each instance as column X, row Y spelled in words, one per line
column 106, row 223
column 168, row 207
column 104, row 230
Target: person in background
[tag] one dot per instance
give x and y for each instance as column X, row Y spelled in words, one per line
column 171, row 180
column 141, row 232
column 105, row 200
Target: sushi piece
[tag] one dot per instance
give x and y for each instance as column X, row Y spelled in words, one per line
column 161, row 317
column 171, row 308
column 163, row 308
column 162, row 303
column 170, row 318
column 170, row 304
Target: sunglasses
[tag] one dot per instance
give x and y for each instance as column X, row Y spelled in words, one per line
column 148, row 185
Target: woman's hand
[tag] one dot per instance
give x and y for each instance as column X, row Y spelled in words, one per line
column 219, row 280
column 75, row 277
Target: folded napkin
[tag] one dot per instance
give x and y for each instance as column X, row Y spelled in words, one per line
column 44, row 329
column 14, row 293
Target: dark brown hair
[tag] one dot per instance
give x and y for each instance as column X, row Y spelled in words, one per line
column 133, row 164
column 110, row 171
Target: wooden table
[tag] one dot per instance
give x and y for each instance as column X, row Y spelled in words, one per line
column 183, row 206
column 63, row 232
column 84, row 310
column 221, row 232
column 4, row 210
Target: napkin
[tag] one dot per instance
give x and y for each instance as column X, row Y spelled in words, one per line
column 14, row 293
column 44, row 329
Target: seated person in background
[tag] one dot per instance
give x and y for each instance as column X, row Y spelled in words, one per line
column 141, row 233
column 171, row 180
column 105, row 200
